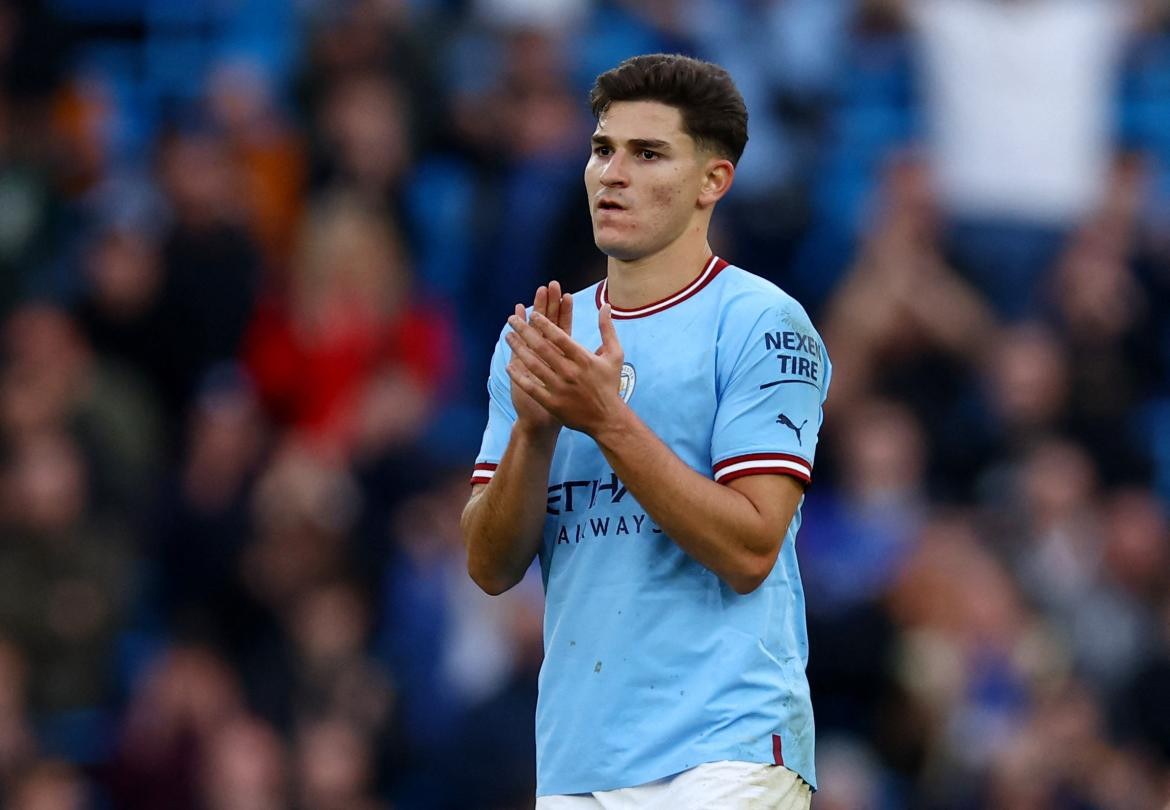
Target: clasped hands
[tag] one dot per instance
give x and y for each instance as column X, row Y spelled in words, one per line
column 555, row 380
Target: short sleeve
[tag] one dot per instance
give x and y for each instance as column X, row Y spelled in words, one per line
column 501, row 415
column 773, row 377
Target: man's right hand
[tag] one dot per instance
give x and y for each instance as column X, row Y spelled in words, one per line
column 558, row 308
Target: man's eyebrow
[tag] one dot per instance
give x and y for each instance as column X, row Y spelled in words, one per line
column 639, row 143
column 650, row 143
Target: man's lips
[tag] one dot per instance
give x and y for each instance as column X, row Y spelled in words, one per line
column 610, row 205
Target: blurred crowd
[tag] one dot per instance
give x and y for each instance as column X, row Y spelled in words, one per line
column 254, row 255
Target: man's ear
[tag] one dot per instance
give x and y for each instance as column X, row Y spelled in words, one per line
column 717, row 179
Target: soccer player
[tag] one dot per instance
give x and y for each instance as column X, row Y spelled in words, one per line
column 650, row 439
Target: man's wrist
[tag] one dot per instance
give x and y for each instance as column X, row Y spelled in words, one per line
column 542, row 437
column 610, row 432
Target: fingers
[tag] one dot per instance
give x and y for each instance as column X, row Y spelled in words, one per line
column 519, row 317
column 610, row 345
column 533, row 359
column 553, row 310
column 524, row 379
column 556, row 336
column 540, row 339
column 566, row 319
column 555, row 304
column 551, row 346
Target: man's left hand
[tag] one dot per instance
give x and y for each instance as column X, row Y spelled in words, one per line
column 578, row 387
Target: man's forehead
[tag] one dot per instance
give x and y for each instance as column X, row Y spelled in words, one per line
column 641, row 120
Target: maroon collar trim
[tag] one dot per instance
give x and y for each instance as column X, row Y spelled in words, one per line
column 710, row 270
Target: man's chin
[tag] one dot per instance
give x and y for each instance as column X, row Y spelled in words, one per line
column 617, row 250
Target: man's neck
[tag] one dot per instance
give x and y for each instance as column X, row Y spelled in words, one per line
column 638, row 282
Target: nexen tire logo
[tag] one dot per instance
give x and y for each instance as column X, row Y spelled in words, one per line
column 626, row 384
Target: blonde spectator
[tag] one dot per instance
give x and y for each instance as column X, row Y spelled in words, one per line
column 349, row 355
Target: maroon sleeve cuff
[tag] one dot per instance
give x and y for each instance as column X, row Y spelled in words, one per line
column 763, row 464
column 483, row 473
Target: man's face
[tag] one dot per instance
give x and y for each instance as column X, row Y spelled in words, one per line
column 644, row 178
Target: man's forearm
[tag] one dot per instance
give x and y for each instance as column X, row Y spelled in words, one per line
column 716, row 525
column 503, row 522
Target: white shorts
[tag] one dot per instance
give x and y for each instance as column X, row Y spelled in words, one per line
column 725, row 785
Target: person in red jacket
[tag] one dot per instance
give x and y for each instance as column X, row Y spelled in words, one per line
column 348, row 355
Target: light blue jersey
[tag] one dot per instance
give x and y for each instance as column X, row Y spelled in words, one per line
column 652, row 664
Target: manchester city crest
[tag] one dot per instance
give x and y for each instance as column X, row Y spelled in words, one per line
column 626, row 384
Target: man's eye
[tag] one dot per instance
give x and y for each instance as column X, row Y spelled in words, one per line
column 648, row 155
column 602, row 151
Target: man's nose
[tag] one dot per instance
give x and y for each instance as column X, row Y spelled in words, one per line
column 614, row 174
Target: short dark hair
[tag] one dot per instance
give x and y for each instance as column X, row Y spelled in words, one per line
column 712, row 109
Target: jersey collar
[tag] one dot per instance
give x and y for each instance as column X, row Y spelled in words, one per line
column 710, row 270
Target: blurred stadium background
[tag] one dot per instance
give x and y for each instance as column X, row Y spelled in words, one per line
column 253, row 258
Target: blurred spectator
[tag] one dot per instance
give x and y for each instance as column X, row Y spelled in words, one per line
column 787, row 60
column 422, row 636
column 1138, row 544
column 1025, row 390
column 271, row 154
column 51, row 785
column 351, row 357
column 903, row 316
column 531, row 134
column 201, row 522
column 1114, row 626
column 1061, row 562
column 302, row 511
column 1108, row 321
column 901, row 301
column 178, row 705
column 392, row 38
column 1062, row 544
column 785, row 57
column 335, row 768
column 858, row 536
column 873, row 118
column 52, row 380
column 247, row 768
column 211, row 261
column 1018, row 100
column 331, row 676
column 466, row 663
column 963, row 662
column 121, row 308
column 365, row 138
column 66, row 571
column 855, row 543
column 84, row 120
column 502, row 774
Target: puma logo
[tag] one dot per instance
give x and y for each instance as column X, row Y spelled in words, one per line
column 784, row 420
